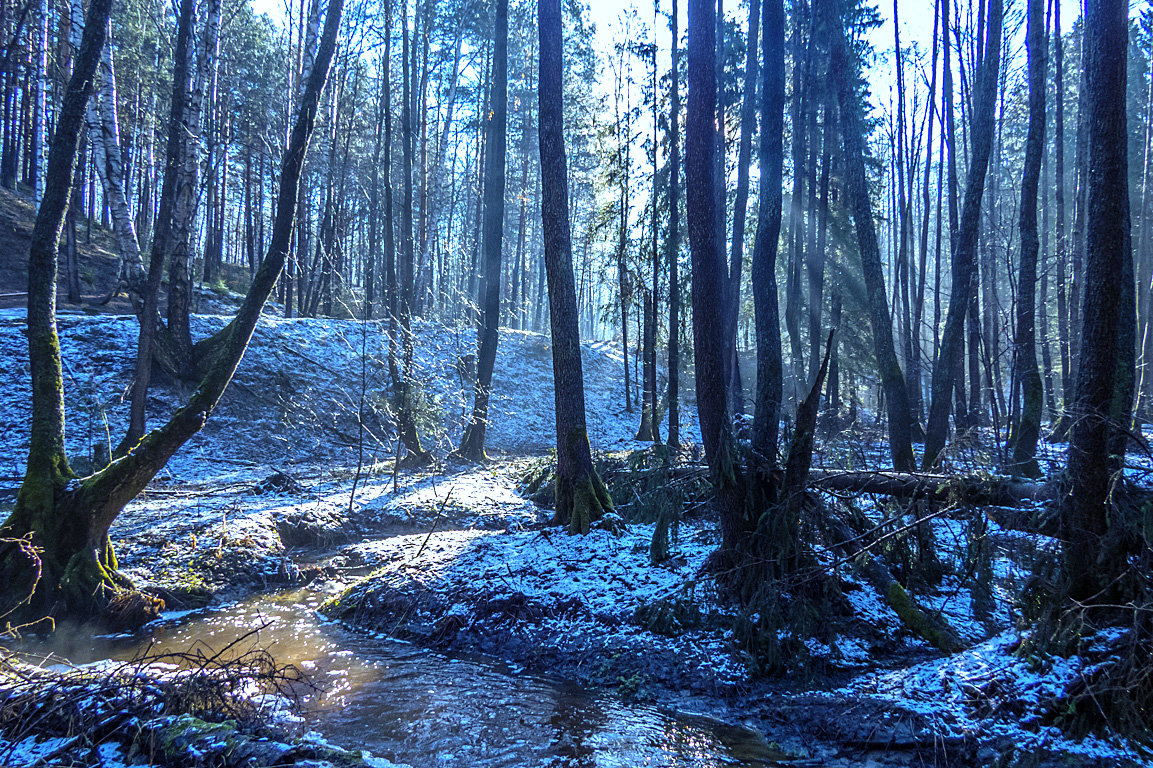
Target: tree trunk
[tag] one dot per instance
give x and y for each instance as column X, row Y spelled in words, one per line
column 581, row 497
column 1059, row 202
column 766, row 417
column 708, row 279
column 801, row 87
column 405, row 391
column 180, row 263
column 391, row 304
column 162, row 232
column 1085, row 510
column 673, row 240
column 815, row 262
column 1027, row 428
column 919, row 304
column 740, row 205
column 842, row 69
column 947, row 369
column 645, row 430
column 39, row 144
column 472, row 443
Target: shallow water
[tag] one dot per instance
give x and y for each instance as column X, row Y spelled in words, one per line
column 421, row 708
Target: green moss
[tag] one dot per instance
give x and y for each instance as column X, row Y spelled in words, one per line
column 936, row 634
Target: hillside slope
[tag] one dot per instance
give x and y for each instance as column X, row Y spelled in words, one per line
column 296, row 395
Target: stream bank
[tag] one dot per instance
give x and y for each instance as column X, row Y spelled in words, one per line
column 457, row 588
column 466, row 570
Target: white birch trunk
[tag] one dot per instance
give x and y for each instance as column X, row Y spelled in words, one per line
column 40, row 128
column 104, row 133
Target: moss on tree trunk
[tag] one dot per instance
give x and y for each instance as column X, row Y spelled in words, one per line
column 62, row 521
column 581, row 495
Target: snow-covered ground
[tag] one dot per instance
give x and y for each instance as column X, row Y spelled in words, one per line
column 297, row 393
column 460, row 560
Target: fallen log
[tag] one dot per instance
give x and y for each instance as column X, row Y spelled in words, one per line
column 984, row 490
column 932, row 628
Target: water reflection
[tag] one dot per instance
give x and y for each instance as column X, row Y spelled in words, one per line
column 417, row 707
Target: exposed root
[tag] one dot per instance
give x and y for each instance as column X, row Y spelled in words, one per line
column 590, row 500
column 91, row 586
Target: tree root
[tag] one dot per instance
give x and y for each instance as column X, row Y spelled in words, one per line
column 588, row 500
column 92, row 587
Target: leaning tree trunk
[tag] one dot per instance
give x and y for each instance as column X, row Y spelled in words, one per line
column 580, row 495
column 1027, row 428
column 948, row 366
column 843, row 69
column 68, row 518
column 472, row 443
column 161, row 236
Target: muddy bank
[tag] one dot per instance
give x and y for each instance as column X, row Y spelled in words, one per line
column 861, row 688
column 193, row 544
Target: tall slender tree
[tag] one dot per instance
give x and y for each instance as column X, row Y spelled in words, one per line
column 844, row 70
column 673, row 239
column 948, row 367
column 405, row 384
column 1059, row 203
column 581, row 497
column 472, row 443
column 740, row 204
column 1027, row 426
column 766, row 417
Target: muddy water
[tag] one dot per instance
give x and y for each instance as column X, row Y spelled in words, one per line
column 413, row 706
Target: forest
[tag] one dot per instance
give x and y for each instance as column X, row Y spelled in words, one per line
column 500, row 383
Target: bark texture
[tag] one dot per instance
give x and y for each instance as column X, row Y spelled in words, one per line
column 69, row 518
column 581, row 497
column 1085, row 514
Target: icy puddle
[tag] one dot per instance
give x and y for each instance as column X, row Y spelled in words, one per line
column 424, row 709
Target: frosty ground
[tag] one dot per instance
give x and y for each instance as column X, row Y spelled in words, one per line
column 455, row 557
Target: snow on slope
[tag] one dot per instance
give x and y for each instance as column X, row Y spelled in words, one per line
column 296, row 395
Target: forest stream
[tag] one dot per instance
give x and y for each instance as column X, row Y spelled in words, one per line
column 422, row 708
